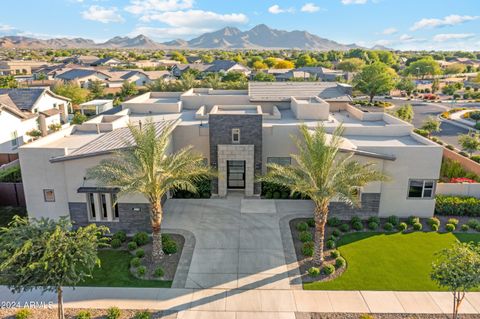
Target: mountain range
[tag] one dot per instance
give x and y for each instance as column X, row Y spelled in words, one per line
column 259, row 37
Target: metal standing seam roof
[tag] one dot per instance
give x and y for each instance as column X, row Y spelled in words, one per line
column 77, row 73
column 283, row 91
column 110, row 142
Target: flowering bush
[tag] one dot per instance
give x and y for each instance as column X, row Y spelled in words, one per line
column 461, row 180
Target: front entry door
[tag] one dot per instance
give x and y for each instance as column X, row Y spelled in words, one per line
column 236, row 174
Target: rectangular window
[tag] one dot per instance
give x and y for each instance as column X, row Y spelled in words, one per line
column 236, row 135
column 14, row 139
column 280, row 160
column 115, row 206
column 49, row 195
column 103, row 204
column 91, row 206
column 418, row 188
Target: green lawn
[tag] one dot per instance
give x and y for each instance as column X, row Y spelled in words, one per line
column 395, row 261
column 115, row 272
column 7, row 212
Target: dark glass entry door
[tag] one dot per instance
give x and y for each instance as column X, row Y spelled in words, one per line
column 236, row 174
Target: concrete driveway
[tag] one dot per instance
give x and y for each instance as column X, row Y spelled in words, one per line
column 238, row 241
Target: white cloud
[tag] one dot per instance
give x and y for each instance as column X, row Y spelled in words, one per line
column 164, row 34
column 354, row 2
column 383, row 42
column 197, row 19
column 389, row 31
column 6, row 28
column 452, row 36
column 450, row 20
column 405, row 37
column 101, row 14
column 310, row 7
column 276, row 9
column 155, row 6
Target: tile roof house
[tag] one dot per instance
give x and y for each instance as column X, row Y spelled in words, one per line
column 83, row 77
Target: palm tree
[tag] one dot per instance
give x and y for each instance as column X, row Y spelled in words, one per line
column 187, row 81
column 322, row 174
column 147, row 167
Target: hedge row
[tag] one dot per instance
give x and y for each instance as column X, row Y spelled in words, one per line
column 457, row 206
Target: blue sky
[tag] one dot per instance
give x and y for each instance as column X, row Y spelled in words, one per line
column 400, row 24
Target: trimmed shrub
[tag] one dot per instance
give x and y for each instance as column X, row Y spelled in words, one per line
column 372, row 225
column 120, row 235
column 357, row 226
column 334, row 254
column 135, row 262
column 141, row 238
column 394, row 220
column 331, row 244
column 402, row 227
column 433, row 221
column 465, row 227
column 169, row 247
column 142, row 315
column 473, row 223
column 457, row 206
column 388, row 226
column 417, row 226
column 140, row 253
column 115, row 243
column 434, row 227
column 141, row 270
column 336, row 233
column 302, row 226
column 159, row 272
column 132, row 245
column 344, row 228
column 374, row 219
column 84, row 314
column 328, row 269
column 453, row 221
column 311, row 222
column 413, row 220
column 113, row 313
column 276, row 195
column 334, row 222
column 307, row 249
column 23, row 314
column 340, row 262
column 305, row 236
column 449, row 227
column 355, row 219
column 313, row 271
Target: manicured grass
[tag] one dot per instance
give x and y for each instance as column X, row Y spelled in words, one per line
column 115, row 272
column 395, row 261
column 7, row 212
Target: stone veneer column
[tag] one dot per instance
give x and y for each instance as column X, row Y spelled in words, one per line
column 234, row 152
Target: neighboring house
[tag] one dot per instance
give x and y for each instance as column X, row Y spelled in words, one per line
column 83, row 77
column 95, row 107
column 240, row 130
column 225, row 66
column 24, row 110
column 327, row 75
column 179, row 69
column 109, row 61
column 20, row 67
column 139, row 77
column 194, row 59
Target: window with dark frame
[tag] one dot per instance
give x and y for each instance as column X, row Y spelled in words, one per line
column 421, row 189
column 103, row 202
column 115, row 206
column 91, row 205
column 49, row 195
column 236, row 135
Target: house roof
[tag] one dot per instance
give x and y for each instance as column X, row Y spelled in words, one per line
column 78, row 73
column 112, row 141
column 219, row 65
column 8, row 105
column 104, row 60
column 50, row 112
column 25, row 98
column 283, row 91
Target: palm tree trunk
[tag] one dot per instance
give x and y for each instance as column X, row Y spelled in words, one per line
column 156, row 219
column 61, row 315
column 320, row 216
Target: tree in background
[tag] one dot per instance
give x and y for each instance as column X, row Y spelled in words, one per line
column 455, row 68
column 187, row 81
column 270, row 62
column 212, row 80
column 78, row 118
column 431, row 125
column 374, row 79
column 128, row 89
column 8, row 82
column 351, row 65
column 470, row 143
column 96, row 89
column 475, row 115
column 458, row 269
column 423, row 67
column 305, row 60
column 435, row 85
column 264, row 77
column 177, row 56
column 234, row 77
column 284, row 64
column 72, row 91
column 406, row 84
column 405, row 113
column 48, row 254
column 259, row 65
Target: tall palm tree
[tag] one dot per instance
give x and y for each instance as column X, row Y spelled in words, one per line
column 147, row 167
column 322, row 174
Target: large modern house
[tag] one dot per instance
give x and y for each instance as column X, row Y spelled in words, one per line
column 238, row 133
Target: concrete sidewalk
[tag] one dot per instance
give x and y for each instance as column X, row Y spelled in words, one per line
column 236, row 303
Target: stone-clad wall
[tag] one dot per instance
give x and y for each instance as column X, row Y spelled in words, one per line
column 370, row 205
column 220, row 131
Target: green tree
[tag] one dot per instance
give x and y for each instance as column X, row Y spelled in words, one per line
column 431, row 125
column 423, row 67
column 149, row 168
column 435, row 85
column 72, row 91
column 449, row 89
column 458, row 269
column 234, row 77
column 177, row 56
column 264, row 77
column 259, row 65
column 305, row 60
column 455, row 68
column 96, row 89
column 187, row 81
column 212, row 80
column 351, row 65
column 322, row 173
column 48, row 254
column 405, row 113
column 8, row 82
column 270, row 62
column 406, row 84
column 159, row 85
column 284, row 64
column 475, row 115
column 470, row 143
column 374, row 79
column 78, row 118
column 387, row 57
column 128, row 89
